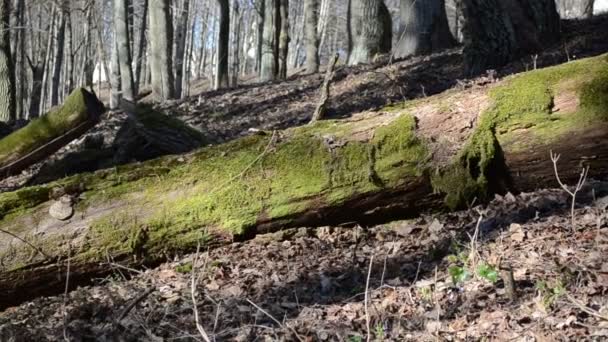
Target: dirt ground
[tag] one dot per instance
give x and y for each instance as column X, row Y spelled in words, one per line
column 433, row 278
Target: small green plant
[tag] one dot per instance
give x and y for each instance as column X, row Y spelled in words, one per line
column 487, row 272
column 459, row 274
column 379, row 332
column 549, row 293
column 426, row 293
column 355, row 338
column 184, row 269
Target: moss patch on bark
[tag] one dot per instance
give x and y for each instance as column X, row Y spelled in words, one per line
column 522, row 115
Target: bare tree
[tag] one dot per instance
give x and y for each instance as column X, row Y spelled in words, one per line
column 123, row 46
column 7, row 71
column 221, row 73
column 161, row 64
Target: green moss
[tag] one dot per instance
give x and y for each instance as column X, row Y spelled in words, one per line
column 184, row 269
column 153, row 119
column 522, row 114
column 45, row 128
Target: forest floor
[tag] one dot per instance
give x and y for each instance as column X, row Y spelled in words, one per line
column 430, row 278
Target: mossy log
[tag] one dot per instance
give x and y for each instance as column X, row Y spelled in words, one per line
column 47, row 134
column 440, row 152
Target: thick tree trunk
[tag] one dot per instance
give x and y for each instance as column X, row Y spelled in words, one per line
column 423, row 28
column 270, row 44
column 366, row 169
column 161, row 33
column 497, row 32
column 221, row 72
column 311, row 12
column 371, row 30
column 575, row 9
column 7, row 70
column 123, row 46
column 46, row 135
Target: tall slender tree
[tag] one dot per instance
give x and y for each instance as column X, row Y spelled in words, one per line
column 58, row 46
column 221, row 73
column 161, row 64
column 270, row 54
column 283, row 48
column 7, row 70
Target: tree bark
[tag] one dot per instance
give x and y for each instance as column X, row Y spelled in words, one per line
column 270, row 54
column 58, row 45
column 311, row 12
column 423, row 28
column 283, row 38
column 497, row 32
column 123, row 46
column 575, row 9
column 365, row 170
column 222, row 79
column 161, row 34
column 371, row 30
column 141, row 49
column 180, row 44
column 7, row 69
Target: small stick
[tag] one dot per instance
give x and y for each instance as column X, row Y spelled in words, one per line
column 137, row 300
column 199, row 327
column 272, row 318
column 65, row 296
column 367, row 319
column 37, row 249
column 506, row 273
column 322, row 105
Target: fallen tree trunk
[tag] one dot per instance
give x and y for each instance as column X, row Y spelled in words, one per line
column 47, row 134
column 439, row 152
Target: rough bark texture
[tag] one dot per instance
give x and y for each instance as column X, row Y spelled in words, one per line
column 496, row 32
column 161, row 33
column 58, row 46
column 372, row 167
column 221, row 74
column 46, row 135
column 423, row 28
column 371, row 30
column 270, row 42
column 123, row 45
column 575, row 9
column 181, row 31
column 283, row 38
column 311, row 12
column 7, row 70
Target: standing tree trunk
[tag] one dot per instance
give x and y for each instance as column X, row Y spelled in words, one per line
column 423, row 28
column 221, row 72
column 370, row 29
column 161, row 33
column 58, row 44
column 270, row 53
column 496, row 32
column 575, row 9
column 141, row 49
column 237, row 18
column 123, row 46
column 261, row 10
column 180, row 46
column 7, row 70
column 115, row 80
column 311, row 8
column 283, row 38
